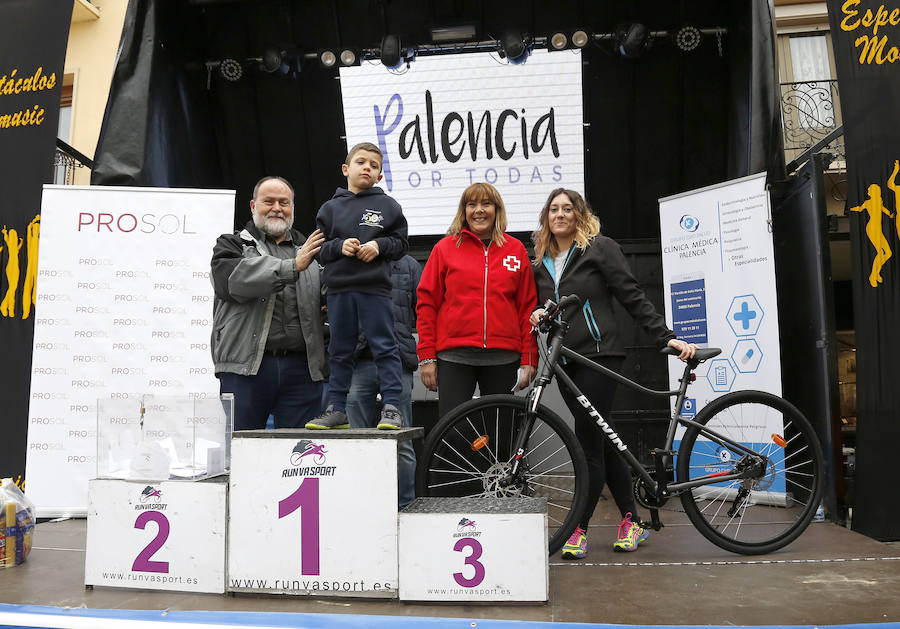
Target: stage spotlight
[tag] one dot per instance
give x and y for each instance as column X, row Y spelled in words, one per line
column 557, row 41
column 231, row 69
column 272, row 60
column 630, row 40
column 349, row 57
column 580, row 39
column 327, row 58
column 390, row 52
column 687, row 38
column 514, row 47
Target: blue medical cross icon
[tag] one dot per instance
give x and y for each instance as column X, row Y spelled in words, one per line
column 745, row 315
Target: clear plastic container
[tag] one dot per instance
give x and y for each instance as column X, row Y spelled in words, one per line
column 164, row 437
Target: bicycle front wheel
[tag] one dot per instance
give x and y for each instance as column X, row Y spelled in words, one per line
column 470, row 451
column 782, row 481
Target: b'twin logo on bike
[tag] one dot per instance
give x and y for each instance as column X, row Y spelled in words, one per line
column 602, row 423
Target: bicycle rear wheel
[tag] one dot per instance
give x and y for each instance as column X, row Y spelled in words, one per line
column 470, row 450
column 773, row 505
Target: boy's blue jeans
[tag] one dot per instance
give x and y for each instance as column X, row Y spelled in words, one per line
column 361, row 413
column 350, row 313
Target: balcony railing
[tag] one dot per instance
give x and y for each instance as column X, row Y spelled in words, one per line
column 65, row 161
column 809, row 112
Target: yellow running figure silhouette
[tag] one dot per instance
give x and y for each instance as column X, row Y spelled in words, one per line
column 874, row 206
column 29, row 290
column 13, row 245
column 892, row 184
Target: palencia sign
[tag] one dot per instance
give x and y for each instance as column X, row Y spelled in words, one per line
column 453, row 120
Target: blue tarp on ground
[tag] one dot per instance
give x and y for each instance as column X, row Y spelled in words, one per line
column 59, row 618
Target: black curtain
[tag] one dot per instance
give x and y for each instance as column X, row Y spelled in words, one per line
column 663, row 123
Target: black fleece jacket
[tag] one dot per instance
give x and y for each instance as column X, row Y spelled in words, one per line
column 598, row 274
column 369, row 215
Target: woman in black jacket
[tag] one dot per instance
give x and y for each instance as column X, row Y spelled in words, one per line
column 571, row 256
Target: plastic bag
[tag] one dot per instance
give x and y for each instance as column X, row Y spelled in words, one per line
column 16, row 524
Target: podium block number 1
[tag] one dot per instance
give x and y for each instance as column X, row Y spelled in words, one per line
column 307, row 497
column 471, row 560
column 142, row 562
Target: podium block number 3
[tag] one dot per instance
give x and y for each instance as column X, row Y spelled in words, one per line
column 142, row 562
column 471, row 560
column 307, row 497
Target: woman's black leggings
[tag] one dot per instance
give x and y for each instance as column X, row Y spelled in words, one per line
column 456, row 382
column 604, row 463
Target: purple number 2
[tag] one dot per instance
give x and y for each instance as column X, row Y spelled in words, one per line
column 142, row 562
column 307, row 497
column 471, row 560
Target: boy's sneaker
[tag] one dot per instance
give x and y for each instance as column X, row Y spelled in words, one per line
column 576, row 547
column 390, row 418
column 630, row 535
column 329, row 419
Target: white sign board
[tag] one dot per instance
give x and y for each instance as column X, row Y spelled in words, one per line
column 124, row 308
column 158, row 536
column 313, row 516
column 473, row 557
column 453, row 120
column 719, row 285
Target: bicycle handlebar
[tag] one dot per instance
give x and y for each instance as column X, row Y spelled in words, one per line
column 553, row 309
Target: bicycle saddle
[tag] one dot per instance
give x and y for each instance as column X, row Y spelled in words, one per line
column 702, row 354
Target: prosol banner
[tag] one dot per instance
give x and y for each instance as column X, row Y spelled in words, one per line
column 455, row 120
column 125, row 309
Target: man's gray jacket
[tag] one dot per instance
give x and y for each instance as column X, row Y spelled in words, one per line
column 245, row 278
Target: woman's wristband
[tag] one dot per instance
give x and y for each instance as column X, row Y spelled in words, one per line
column 427, row 361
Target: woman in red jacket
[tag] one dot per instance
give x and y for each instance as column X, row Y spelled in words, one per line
column 474, row 300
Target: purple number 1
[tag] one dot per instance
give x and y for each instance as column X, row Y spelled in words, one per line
column 307, row 497
column 142, row 562
column 471, row 560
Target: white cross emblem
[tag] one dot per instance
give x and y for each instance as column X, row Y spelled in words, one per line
column 512, row 263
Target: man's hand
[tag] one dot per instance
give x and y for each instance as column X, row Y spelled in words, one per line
column 350, row 247
column 368, row 251
column 308, row 251
column 535, row 318
column 428, row 374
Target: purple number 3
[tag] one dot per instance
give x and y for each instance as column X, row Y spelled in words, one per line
column 142, row 562
column 471, row 560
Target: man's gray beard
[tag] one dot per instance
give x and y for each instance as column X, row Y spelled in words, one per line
column 261, row 223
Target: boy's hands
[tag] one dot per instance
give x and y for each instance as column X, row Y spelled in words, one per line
column 308, row 251
column 350, row 247
column 368, row 251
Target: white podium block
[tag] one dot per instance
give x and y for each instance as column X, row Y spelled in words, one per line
column 474, row 549
column 314, row 512
column 159, row 536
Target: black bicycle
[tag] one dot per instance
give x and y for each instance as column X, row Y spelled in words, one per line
column 746, row 486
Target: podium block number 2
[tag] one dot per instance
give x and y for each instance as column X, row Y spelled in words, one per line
column 142, row 562
column 471, row 560
column 307, row 497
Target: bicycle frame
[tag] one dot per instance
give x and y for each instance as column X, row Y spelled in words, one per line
column 658, row 486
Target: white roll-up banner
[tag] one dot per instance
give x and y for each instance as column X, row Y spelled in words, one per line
column 719, row 286
column 453, row 120
column 124, row 309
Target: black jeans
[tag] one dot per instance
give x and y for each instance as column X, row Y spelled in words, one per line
column 605, row 465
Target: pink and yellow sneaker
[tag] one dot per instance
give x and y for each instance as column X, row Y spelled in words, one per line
column 576, row 547
column 629, row 535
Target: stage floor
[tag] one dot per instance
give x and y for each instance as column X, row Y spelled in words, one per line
column 829, row 576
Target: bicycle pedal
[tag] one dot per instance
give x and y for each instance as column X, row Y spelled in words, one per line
column 661, row 452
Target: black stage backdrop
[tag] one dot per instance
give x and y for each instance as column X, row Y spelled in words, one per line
column 866, row 40
column 661, row 124
column 33, row 35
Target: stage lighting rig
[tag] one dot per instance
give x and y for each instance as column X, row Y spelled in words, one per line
column 687, row 38
column 393, row 55
column 567, row 40
column 515, row 47
column 631, row 40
